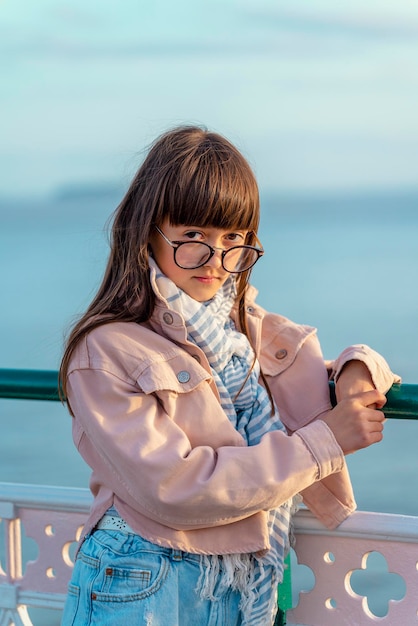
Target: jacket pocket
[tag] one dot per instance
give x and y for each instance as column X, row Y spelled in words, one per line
column 180, row 373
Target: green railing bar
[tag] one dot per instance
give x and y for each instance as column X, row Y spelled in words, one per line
column 29, row 384
column 402, row 403
column 285, row 599
column 402, row 399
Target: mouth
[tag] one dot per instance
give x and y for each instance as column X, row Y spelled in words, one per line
column 207, row 279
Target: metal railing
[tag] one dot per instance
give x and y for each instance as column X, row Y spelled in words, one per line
column 402, row 399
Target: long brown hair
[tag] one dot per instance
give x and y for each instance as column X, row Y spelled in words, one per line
column 190, row 176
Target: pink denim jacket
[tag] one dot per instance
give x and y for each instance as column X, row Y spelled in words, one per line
column 148, row 421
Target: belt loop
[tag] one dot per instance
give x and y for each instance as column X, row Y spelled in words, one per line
column 176, row 555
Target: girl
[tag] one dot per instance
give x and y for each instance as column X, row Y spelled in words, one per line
column 201, row 415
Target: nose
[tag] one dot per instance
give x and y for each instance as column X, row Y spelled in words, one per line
column 216, row 259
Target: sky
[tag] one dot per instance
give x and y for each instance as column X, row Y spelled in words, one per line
column 318, row 94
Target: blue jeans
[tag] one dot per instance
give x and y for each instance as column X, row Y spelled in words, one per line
column 120, row 579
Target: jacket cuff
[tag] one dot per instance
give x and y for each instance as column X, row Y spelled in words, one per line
column 326, row 506
column 382, row 376
column 320, row 441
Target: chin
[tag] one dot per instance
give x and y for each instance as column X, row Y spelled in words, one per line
column 202, row 296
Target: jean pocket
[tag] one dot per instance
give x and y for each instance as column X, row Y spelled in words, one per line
column 71, row 605
column 128, row 579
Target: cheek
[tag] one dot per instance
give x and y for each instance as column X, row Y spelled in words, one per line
column 165, row 261
column 161, row 255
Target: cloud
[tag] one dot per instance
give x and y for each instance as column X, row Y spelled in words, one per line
column 353, row 23
column 72, row 31
column 72, row 49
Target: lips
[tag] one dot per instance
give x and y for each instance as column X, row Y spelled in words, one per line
column 206, row 279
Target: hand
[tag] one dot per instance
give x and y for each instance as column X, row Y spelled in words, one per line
column 356, row 421
column 353, row 379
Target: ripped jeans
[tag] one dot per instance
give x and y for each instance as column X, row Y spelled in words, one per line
column 120, row 579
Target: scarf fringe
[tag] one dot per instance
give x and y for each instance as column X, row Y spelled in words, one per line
column 242, row 573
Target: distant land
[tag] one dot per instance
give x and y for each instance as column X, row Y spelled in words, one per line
column 85, row 191
column 353, row 202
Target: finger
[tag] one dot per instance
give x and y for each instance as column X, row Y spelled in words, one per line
column 376, row 437
column 372, row 397
column 374, row 433
column 377, row 426
column 375, row 415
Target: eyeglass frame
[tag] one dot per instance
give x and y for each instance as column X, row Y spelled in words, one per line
column 212, row 249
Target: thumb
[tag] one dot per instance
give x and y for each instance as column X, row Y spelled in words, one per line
column 372, row 398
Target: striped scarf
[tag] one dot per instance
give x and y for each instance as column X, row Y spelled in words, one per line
column 248, row 407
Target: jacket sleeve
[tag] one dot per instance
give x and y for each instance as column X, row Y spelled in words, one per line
column 302, row 394
column 144, row 454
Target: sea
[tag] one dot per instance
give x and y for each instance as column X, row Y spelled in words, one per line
column 344, row 262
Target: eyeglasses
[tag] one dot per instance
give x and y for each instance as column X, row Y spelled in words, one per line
column 190, row 255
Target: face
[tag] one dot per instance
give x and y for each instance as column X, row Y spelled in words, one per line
column 201, row 283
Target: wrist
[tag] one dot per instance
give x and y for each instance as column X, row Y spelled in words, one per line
column 353, row 378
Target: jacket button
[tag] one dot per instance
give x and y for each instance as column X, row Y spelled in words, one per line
column 183, row 376
column 281, row 354
column 168, row 318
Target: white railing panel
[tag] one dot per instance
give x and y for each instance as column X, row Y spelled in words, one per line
column 337, row 557
column 50, row 518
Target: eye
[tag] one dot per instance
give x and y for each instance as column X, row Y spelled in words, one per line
column 192, row 235
column 235, row 238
